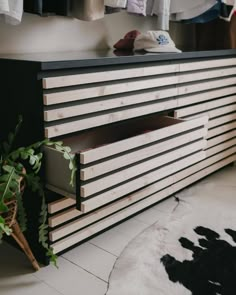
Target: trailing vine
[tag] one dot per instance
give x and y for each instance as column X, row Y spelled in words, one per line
column 24, row 163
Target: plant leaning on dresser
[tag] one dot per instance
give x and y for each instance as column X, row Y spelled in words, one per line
column 19, row 169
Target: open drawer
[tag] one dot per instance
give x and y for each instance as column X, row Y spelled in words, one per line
column 115, row 160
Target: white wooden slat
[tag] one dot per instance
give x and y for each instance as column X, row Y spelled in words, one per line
column 107, row 104
column 130, row 199
column 221, row 120
column 140, row 182
column 56, row 220
column 208, row 74
column 141, row 154
column 113, row 219
column 221, row 129
column 207, row 64
column 221, row 138
column 220, row 147
column 204, row 96
column 108, row 75
column 213, row 113
column 205, row 85
column 203, row 107
column 108, row 118
column 60, row 205
column 137, row 141
column 108, row 89
column 105, row 182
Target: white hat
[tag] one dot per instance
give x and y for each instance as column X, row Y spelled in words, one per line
column 155, row 41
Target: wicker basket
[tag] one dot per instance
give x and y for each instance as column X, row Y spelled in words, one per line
column 11, row 222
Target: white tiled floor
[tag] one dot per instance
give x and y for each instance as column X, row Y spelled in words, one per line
column 85, row 270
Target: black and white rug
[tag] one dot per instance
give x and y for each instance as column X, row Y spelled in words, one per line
column 193, row 251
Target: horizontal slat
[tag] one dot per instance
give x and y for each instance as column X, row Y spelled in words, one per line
column 221, row 120
column 105, row 182
column 221, row 138
column 141, row 154
column 214, row 113
column 140, row 182
column 60, row 205
column 206, row 85
column 59, row 113
column 207, row 74
column 137, row 141
column 203, row 107
column 221, row 129
column 65, row 215
column 107, row 89
column 207, row 64
column 113, row 219
column 204, row 96
column 110, row 117
column 107, row 75
column 220, row 147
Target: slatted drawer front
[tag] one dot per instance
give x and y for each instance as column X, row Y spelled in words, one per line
column 78, row 230
column 79, row 101
column 151, row 149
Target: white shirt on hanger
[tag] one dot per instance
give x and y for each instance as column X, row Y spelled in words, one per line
column 11, row 11
column 161, row 8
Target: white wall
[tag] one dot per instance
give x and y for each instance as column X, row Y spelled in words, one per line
column 43, row 34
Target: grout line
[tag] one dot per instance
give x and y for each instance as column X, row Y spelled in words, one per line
column 85, row 270
column 103, row 249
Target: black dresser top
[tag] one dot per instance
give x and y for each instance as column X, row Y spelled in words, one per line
column 78, row 59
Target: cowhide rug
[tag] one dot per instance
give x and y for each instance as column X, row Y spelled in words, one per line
column 192, row 252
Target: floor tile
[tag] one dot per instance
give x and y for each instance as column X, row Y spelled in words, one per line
column 131, row 227
column 166, row 205
column 150, row 216
column 17, row 275
column 112, row 241
column 93, row 259
column 14, row 261
column 26, row 286
column 70, row 279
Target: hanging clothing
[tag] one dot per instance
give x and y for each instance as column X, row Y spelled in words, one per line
column 149, row 7
column 161, row 8
column 88, row 10
column 116, row 3
column 137, row 6
column 11, row 11
column 193, row 8
column 227, row 9
column 209, row 15
column 47, row 7
column 220, row 9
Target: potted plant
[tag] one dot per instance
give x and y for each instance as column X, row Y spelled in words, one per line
column 19, row 169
